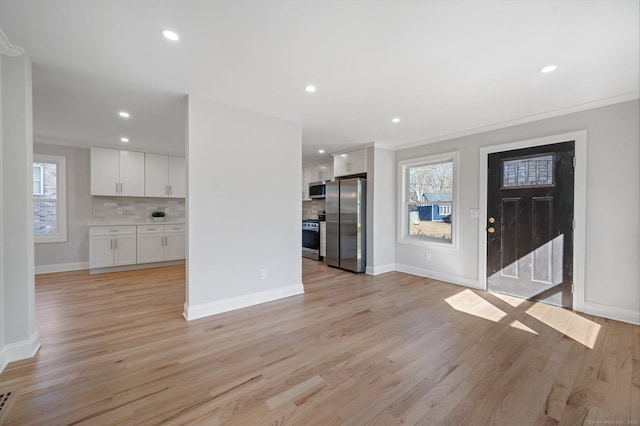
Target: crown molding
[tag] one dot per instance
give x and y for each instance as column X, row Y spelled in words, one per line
column 85, row 145
column 354, row 148
column 60, row 142
column 8, row 49
column 551, row 114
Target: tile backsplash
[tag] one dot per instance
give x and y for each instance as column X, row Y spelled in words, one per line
column 311, row 208
column 105, row 209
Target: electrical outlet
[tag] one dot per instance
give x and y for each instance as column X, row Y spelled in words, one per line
column 119, row 210
column 474, row 213
column 263, row 273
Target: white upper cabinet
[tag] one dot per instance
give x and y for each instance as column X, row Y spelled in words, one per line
column 177, row 177
column 164, row 176
column 131, row 174
column 322, row 171
column 156, row 175
column 105, row 171
column 306, row 179
column 116, row 172
column 350, row 163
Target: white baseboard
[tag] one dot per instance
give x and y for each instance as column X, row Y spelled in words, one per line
column 61, row 267
column 19, row 350
column 618, row 314
column 135, row 267
column 3, row 359
column 231, row 304
column 377, row 270
column 440, row 276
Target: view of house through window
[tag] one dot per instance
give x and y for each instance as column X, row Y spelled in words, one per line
column 430, row 200
column 49, row 221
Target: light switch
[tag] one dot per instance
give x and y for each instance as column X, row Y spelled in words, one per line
column 475, row 213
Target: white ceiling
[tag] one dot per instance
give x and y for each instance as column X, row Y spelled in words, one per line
column 444, row 67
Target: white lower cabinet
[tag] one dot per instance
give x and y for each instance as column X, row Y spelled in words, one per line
column 151, row 243
column 112, row 246
column 323, row 239
column 175, row 238
column 159, row 243
column 128, row 245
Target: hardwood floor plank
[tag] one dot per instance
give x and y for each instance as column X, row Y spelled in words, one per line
column 354, row 349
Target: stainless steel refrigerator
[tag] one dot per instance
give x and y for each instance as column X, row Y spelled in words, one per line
column 346, row 205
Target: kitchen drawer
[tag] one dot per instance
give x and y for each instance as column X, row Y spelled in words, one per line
column 175, row 228
column 150, row 229
column 112, row 230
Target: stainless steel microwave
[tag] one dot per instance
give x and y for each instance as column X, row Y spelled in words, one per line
column 317, row 190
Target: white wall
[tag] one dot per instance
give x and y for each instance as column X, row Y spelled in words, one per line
column 3, row 354
column 74, row 253
column 613, row 206
column 20, row 335
column 243, row 208
column 381, row 210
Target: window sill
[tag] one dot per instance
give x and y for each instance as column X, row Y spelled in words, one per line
column 428, row 242
column 55, row 239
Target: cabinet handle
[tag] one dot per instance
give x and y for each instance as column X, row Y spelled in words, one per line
column 117, row 186
column 116, row 241
column 166, row 189
column 170, row 189
column 112, row 244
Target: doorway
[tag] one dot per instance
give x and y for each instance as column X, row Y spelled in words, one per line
column 530, row 209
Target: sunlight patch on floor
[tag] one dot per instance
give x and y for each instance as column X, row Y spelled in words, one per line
column 511, row 300
column 520, row 326
column 566, row 322
column 470, row 303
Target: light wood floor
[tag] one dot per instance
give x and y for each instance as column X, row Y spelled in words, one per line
column 391, row 349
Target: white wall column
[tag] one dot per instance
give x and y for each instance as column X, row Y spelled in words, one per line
column 381, row 210
column 243, row 208
column 19, row 336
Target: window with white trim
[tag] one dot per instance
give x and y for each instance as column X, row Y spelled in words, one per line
column 428, row 191
column 444, row 210
column 37, row 179
column 49, row 198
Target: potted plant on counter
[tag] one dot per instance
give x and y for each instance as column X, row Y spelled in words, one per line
column 158, row 216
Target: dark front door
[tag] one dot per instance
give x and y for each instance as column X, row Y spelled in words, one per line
column 530, row 223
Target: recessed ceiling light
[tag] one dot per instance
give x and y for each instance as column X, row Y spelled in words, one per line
column 170, row 35
column 548, row 68
column 343, row 155
column 321, row 151
column 124, row 114
column 125, row 140
column 395, row 120
column 310, row 89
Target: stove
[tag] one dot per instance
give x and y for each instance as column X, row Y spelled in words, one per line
column 311, row 239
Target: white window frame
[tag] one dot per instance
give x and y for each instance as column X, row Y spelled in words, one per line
column 61, row 200
column 403, row 201
column 444, row 209
column 41, row 180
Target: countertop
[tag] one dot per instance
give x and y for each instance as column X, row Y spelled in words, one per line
column 134, row 223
